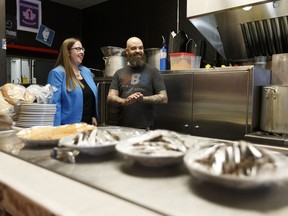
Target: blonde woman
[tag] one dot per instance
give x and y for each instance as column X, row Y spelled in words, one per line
column 76, row 95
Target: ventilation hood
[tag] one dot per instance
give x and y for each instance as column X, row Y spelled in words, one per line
column 238, row 35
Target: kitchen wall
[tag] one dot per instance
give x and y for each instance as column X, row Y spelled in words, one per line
column 107, row 24
column 65, row 21
column 113, row 22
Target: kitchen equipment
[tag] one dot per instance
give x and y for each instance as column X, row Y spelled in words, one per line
column 260, row 61
column 181, row 61
column 279, row 69
column 163, row 56
column 274, row 109
column 64, row 154
column 115, row 58
column 177, row 42
column 111, row 51
column 237, row 34
column 184, row 61
column 113, row 63
column 97, row 72
column 217, row 102
column 153, row 56
column 265, row 138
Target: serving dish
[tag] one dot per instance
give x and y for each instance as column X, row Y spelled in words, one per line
column 44, row 135
column 5, row 136
column 33, row 136
column 154, row 148
column 6, row 133
column 264, row 170
column 95, row 142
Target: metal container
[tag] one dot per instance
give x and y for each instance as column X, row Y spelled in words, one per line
column 111, row 51
column 115, row 58
column 113, row 63
column 260, row 61
column 274, row 109
column 153, row 56
column 279, row 69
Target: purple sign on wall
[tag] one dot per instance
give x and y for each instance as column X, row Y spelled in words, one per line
column 29, row 15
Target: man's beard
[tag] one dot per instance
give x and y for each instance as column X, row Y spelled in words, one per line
column 136, row 60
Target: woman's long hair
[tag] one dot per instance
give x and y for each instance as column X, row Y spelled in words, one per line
column 63, row 59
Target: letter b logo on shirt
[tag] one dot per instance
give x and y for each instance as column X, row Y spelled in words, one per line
column 135, row 79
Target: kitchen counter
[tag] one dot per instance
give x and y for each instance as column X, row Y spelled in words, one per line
column 93, row 182
column 27, row 189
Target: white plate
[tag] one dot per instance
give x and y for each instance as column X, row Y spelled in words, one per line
column 157, row 158
column 40, row 142
column 36, row 118
column 99, row 149
column 33, row 124
column 6, row 133
column 37, row 113
column 17, row 129
column 31, row 141
column 50, row 134
column 38, row 106
column 277, row 176
column 95, row 149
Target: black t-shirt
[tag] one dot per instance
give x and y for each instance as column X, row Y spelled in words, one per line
column 148, row 80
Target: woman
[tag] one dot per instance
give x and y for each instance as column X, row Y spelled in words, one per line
column 76, row 92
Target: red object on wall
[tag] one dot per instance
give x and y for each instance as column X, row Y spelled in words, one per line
column 35, row 49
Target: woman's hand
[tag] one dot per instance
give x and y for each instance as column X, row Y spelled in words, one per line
column 94, row 121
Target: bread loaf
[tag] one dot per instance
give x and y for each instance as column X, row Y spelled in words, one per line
column 54, row 132
column 14, row 93
column 5, row 108
column 6, row 122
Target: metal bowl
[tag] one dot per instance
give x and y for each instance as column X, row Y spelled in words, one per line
column 111, row 51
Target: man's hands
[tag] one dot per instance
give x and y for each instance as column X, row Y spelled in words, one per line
column 159, row 98
column 135, row 97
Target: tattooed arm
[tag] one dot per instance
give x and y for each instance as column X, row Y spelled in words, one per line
column 113, row 98
column 160, row 98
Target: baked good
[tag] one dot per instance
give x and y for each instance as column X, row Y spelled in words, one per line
column 6, row 122
column 5, row 107
column 14, row 93
column 56, row 132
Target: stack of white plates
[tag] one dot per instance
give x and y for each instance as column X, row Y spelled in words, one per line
column 17, row 110
column 36, row 115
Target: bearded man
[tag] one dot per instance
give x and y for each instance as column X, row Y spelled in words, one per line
column 136, row 88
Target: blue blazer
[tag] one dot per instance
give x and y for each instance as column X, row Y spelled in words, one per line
column 69, row 105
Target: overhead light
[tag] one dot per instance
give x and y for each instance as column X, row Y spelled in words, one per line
column 247, row 8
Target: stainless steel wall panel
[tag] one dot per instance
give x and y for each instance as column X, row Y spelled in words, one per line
column 177, row 114
column 107, row 113
column 258, row 77
column 220, row 104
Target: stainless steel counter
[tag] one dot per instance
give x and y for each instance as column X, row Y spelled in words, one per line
column 221, row 103
column 165, row 191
